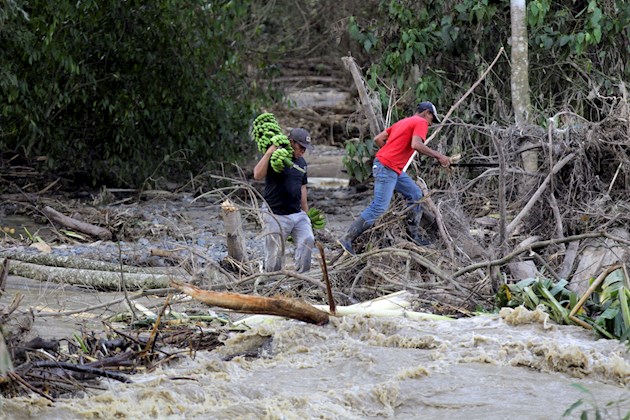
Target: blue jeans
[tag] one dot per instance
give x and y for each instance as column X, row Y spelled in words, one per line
column 386, row 181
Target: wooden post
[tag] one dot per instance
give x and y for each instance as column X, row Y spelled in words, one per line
column 376, row 124
column 233, row 230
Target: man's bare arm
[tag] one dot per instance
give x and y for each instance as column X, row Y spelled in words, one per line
column 304, row 200
column 260, row 170
column 420, row 147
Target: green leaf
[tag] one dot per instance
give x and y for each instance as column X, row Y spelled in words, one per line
column 72, row 234
column 573, row 406
column 408, row 55
column 609, row 313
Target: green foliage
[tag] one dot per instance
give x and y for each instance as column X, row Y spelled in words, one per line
column 437, row 50
column 358, row 158
column 607, row 310
column 109, row 90
column 591, row 409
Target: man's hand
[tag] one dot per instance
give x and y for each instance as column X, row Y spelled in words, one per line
column 444, row 161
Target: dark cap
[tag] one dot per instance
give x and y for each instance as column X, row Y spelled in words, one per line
column 301, row 137
column 423, row 106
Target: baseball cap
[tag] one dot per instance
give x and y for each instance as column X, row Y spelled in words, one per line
column 423, row 106
column 301, row 137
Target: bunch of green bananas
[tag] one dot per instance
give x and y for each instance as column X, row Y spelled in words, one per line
column 281, row 158
column 281, row 140
column 266, row 131
column 318, row 220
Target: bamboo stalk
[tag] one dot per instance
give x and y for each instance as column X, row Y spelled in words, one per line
column 591, row 289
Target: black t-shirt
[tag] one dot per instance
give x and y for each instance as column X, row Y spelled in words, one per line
column 283, row 191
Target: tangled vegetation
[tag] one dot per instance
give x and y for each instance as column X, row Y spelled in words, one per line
column 106, row 92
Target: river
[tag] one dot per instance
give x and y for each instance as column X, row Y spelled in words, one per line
column 512, row 365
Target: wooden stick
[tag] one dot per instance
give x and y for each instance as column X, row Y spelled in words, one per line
column 331, row 298
column 279, row 306
column 438, row 217
column 71, row 223
column 17, row 378
column 510, row 228
column 375, row 125
column 541, row 244
column 450, row 111
column 592, row 288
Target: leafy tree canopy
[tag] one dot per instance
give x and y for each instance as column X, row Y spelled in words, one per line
column 437, row 49
column 109, row 90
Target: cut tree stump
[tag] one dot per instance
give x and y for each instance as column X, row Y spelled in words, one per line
column 233, row 231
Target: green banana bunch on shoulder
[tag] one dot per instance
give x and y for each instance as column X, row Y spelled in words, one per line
column 281, row 140
column 265, row 117
column 318, row 220
column 264, row 128
column 266, row 132
column 281, row 159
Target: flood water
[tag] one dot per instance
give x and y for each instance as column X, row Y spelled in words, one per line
column 516, row 365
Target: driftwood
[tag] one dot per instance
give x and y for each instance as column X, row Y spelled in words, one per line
column 376, row 125
column 100, row 280
column 5, row 357
column 514, row 223
column 278, row 306
column 438, row 217
column 231, row 216
column 84, row 263
column 71, row 223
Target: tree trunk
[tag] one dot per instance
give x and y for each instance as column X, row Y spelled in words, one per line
column 521, row 101
column 279, row 306
column 100, row 280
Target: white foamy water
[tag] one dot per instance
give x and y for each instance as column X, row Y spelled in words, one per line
column 514, row 366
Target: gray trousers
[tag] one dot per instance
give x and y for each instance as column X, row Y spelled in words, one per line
column 277, row 229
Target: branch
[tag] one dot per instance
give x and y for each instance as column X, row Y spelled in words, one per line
column 510, row 228
column 535, row 245
column 450, row 111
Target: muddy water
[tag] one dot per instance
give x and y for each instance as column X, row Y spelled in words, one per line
column 516, row 365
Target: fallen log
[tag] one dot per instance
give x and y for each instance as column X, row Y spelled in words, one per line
column 279, row 306
column 100, row 280
column 83, row 227
column 83, row 263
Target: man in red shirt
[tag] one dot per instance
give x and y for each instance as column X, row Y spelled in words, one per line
column 396, row 146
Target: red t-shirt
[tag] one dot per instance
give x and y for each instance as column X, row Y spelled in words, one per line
column 397, row 151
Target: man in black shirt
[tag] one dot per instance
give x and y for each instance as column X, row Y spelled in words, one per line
column 286, row 205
